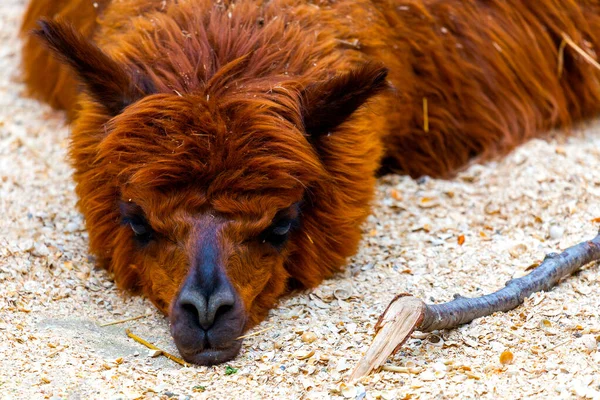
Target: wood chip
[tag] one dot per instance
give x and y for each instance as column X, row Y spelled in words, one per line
column 304, row 354
column 506, row 357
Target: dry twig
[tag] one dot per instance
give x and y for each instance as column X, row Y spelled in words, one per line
column 153, row 347
column 556, row 346
column 120, row 321
column 255, row 333
column 407, row 313
column 55, row 352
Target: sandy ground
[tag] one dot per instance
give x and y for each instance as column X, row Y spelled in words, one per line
column 542, row 198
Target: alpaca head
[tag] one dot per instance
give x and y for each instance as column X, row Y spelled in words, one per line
column 206, row 202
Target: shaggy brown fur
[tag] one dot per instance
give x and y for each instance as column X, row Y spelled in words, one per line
column 233, row 116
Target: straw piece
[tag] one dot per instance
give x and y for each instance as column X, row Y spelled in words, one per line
column 153, row 347
column 120, row 321
column 579, row 50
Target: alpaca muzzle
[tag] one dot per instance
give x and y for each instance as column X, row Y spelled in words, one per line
column 207, row 319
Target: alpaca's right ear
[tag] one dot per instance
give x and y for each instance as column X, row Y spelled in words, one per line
column 327, row 104
column 107, row 81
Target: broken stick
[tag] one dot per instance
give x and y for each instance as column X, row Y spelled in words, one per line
column 406, row 313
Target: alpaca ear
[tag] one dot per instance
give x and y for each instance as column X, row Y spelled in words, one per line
column 327, row 104
column 103, row 78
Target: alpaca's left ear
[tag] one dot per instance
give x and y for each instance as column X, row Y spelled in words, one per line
column 107, row 81
column 327, row 104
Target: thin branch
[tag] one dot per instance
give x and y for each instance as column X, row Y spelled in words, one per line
column 121, row 321
column 55, row 352
column 557, row 346
column 406, row 313
column 554, row 267
column 153, row 347
column 255, row 333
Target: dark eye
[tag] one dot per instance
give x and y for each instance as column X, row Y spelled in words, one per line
column 140, row 228
column 277, row 234
column 133, row 216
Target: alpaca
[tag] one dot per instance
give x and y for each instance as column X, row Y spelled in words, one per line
column 226, row 151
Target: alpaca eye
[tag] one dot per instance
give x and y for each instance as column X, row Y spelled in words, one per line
column 277, row 233
column 138, row 229
column 133, row 215
column 281, row 230
column 142, row 231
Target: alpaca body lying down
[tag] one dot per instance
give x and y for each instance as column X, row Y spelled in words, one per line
column 225, row 151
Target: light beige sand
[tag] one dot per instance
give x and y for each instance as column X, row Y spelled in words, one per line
column 540, row 199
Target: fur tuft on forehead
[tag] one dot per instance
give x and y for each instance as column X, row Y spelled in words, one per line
column 235, row 145
column 224, row 46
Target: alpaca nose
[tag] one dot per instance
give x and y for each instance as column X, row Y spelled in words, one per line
column 206, row 309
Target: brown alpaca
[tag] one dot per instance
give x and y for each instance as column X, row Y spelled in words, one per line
column 227, row 151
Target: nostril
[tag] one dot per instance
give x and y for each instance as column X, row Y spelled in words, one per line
column 194, row 307
column 190, row 311
column 223, row 310
column 220, row 303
